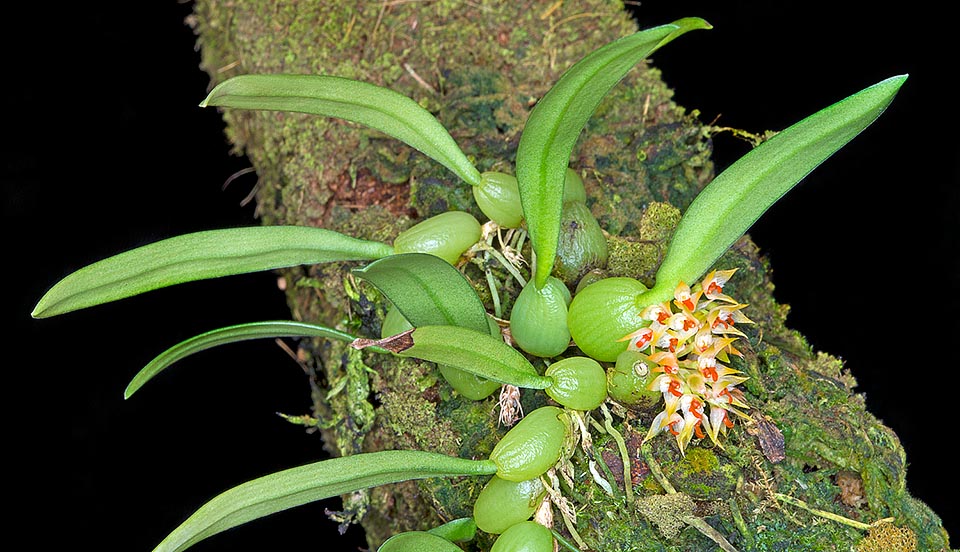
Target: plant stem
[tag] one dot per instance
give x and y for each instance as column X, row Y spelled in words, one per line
column 739, row 521
column 564, row 542
column 491, row 283
column 655, row 470
column 823, row 513
column 709, row 532
column 507, row 265
column 624, row 455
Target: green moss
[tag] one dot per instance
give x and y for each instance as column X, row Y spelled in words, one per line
column 779, row 535
column 625, row 529
column 700, row 460
column 667, row 512
column 350, row 392
column 659, row 221
column 431, row 194
column 638, row 257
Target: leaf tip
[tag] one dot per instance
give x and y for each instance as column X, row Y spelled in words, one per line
column 214, row 94
column 540, row 277
column 692, row 23
column 47, row 307
column 899, row 79
column 891, row 84
column 206, row 101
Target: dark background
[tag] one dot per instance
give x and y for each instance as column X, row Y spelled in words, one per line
column 104, row 149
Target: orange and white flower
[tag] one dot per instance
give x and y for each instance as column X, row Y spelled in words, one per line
column 691, row 341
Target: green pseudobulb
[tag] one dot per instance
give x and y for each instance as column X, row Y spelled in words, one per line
column 526, row 536
column 532, row 446
column 603, row 312
column 446, row 235
column 538, row 321
column 579, row 383
column 627, row 381
column 502, row 504
column 498, row 197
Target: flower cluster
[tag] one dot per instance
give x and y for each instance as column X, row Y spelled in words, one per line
column 685, row 341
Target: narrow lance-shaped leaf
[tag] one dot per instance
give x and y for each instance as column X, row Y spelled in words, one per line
column 296, row 486
column 232, row 334
column 552, row 129
column 427, row 290
column 456, row 530
column 735, row 199
column 476, row 352
column 201, row 255
column 418, row 541
column 368, row 104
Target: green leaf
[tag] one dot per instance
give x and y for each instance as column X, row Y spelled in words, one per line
column 735, row 199
column 296, row 486
column 231, row 334
column 552, row 129
column 476, row 352
column 374, row 106
column 209, row 254
column 427, row 290
column 418, row 541
column 457, row 530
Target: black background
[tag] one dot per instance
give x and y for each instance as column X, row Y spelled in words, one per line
column 105, row 149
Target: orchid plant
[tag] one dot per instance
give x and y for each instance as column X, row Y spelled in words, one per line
column 671, row 345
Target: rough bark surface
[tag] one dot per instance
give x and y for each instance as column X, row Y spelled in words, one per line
column 480, row 66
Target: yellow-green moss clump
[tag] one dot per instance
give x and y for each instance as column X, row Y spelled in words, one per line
column 887, row 537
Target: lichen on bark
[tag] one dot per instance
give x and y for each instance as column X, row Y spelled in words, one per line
column 479, row 67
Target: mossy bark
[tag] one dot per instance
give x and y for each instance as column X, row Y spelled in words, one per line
column 480, row 66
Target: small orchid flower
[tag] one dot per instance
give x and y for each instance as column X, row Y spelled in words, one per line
column 666, row 339
column 721, row 319
column 685, row 298
column 712, row 285
column 639, row 339
column 712, row 370
column 666, row 362
column 718, row 421
column 692, row 408
column 658, row 312
column 671, row 385
column 667, row 420
column 704, row 340
column 683, row 322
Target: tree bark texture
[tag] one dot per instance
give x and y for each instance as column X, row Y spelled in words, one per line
column 480, row 67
